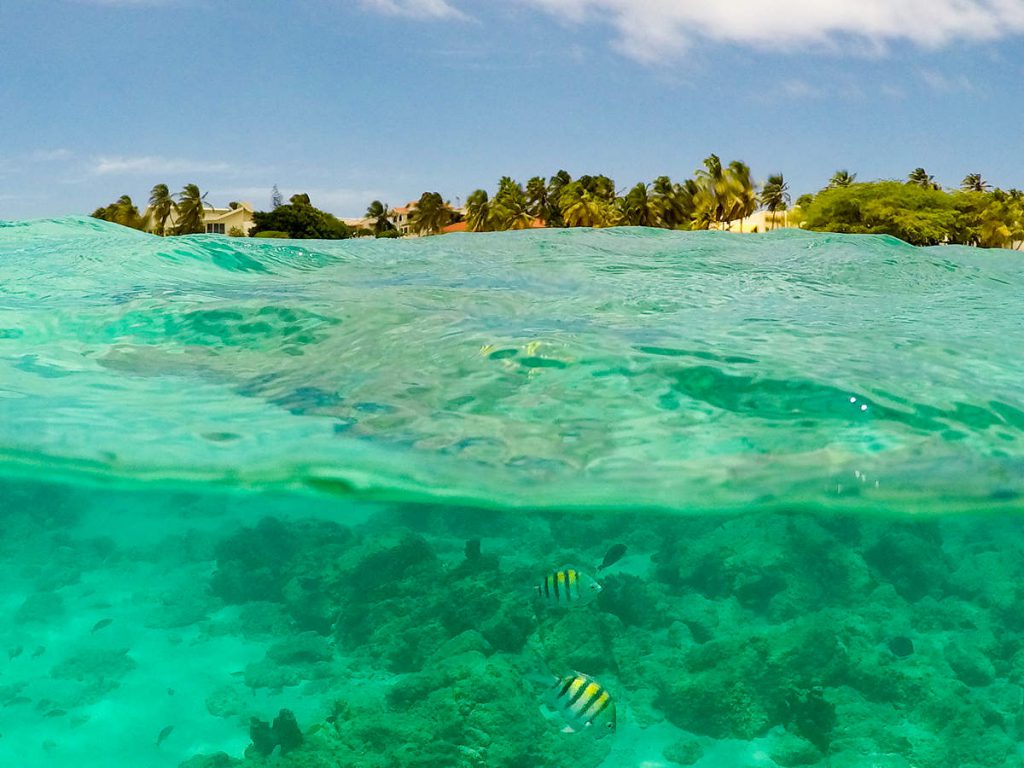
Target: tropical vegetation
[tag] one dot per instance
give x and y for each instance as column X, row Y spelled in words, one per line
column 717, row 196
column 299, row 218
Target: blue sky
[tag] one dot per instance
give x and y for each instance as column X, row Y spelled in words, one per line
column 352, row 100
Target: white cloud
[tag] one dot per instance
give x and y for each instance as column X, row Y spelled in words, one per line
column 653, row 30
column 420, row 9
column 152, row 164
column 941, row 83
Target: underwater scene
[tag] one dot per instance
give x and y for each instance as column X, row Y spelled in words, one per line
column 581, row 498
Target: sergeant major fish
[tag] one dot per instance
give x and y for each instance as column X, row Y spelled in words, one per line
column 567, row 587
column 584, row 704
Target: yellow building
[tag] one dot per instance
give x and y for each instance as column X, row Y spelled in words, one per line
column 236, row 219
column 759, row 221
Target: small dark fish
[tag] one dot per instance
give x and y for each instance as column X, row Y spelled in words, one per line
column 55, row 713
column 18, row 700
column 39, row 651
column 612, row 556
column 14, row 653
column 164, row 734
column 170, row 691
column 101, row 624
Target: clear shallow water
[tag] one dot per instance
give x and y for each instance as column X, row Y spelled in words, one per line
column 239, row 477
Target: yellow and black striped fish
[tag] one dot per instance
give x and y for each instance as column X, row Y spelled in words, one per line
column 584, row 703
column 567, row 587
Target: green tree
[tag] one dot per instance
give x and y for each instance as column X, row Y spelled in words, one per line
column 191, row 206
column 712, row 194
column 919, row 177
column 581, row 207
column 537, row 199
column 741, row 196
column 381, row 215
column 161, row 205
column 556, row 186
column 300, row 220
column 510, row 208
column 432, row 214
column 276, row 200
column 122, row 211
column 640, row 208
column 842, row 178
column 775, row 196
column 974, row 183
column 478, row 211
column 912, row 213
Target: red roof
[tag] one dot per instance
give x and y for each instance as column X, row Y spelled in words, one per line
column 459, row 226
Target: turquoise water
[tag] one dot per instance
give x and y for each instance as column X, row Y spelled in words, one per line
column 238, row 477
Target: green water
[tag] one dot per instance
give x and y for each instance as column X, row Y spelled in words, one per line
column 238, row 477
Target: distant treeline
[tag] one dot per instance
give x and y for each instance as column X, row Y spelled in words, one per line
column 917, row 210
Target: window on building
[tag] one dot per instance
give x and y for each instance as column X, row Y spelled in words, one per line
column 215, row 229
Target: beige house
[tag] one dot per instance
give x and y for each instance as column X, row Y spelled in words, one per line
column 759, row 221
column 236, row 219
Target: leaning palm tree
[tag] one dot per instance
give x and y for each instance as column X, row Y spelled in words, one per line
column 478, row 211
column 712, row 199
column 122, row 211
column 974, row 183
column 919, row 177
column 842, row 178
column 381, row 215
column 775, row 196
column 161, row 205
column 432, row 214
column 191, row 205
column 741, row 200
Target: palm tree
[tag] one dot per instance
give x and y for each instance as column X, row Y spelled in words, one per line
column 537, row 198
column 974, row 183
column 842, row 178
column 556, row 187
column 191, row 204
column 161, row 204
column 381, row 215
column 510, row 208
column 122, row 211
column 639, row 208
column 712, row 194
column 582, row 208
column 478, row 211
column 432, row 214
column 919, row 177
column 741, row 200
column 775, row 196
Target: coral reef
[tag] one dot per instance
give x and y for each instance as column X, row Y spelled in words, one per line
column 839, row 641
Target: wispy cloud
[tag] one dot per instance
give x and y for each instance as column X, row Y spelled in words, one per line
column 655, row 30
column 941, row 83
column 152, row 164
column 419, row 9
column 50, row 155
